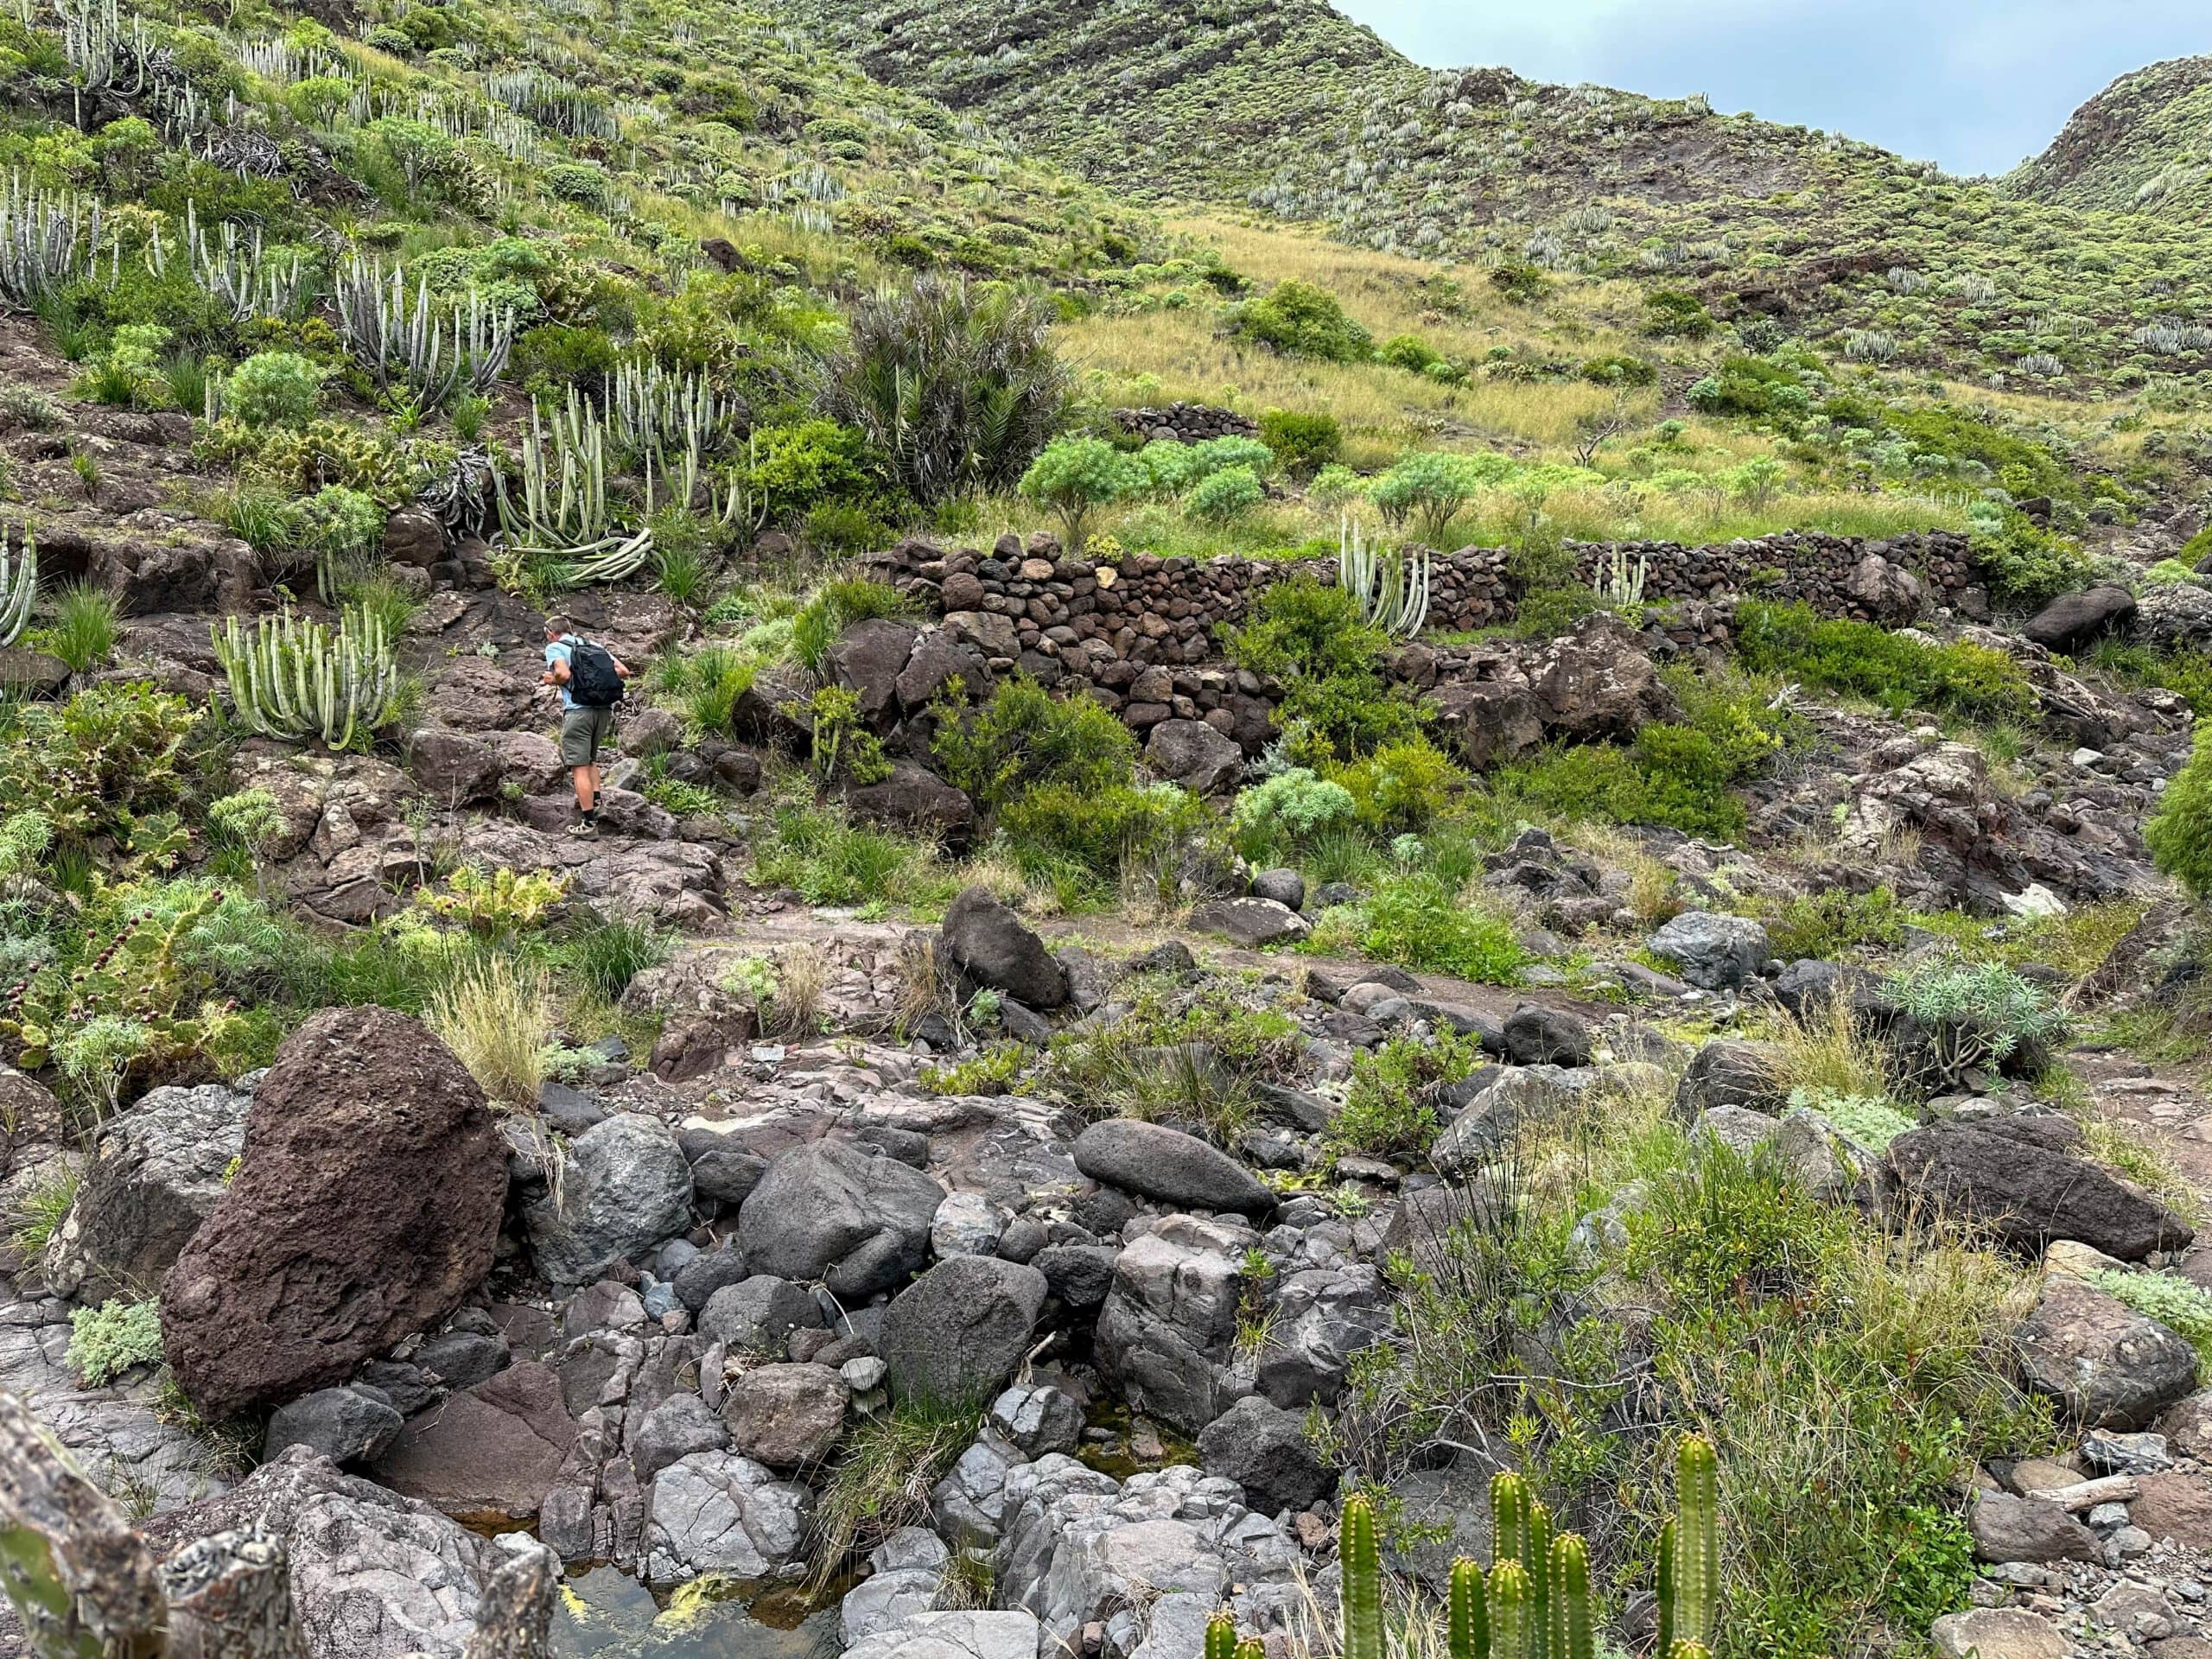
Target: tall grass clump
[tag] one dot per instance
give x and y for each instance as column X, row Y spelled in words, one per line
column 496, row 1014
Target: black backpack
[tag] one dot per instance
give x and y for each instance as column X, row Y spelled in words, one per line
column 592, row 679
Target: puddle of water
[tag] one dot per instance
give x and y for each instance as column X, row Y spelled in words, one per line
column 604, row 1613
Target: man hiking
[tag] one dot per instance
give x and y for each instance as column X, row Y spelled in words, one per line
column 590, row 679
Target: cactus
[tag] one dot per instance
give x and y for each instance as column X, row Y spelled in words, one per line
column 1665, row 1587
column 1467, row 1629
column 249, row 283
column 1572, row 1634
column 1392, row 594
column 18, row 588
column 45, row 240
column 1509, row 1610
column 434, row 349
column 1536, row 1562
column 1221, row 1637
column 291, row 679
column 650, row 409
column 565, row 513
column 1620, row 586
column 1696, row 1542
column 1363, row 1581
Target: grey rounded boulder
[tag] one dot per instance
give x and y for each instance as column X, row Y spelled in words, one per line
column 852, row 1218
column 1155, row 1161
column 1714, row 952
column 957, row 1332
column 627, row 1187
column 1265, row 1450
column 1536, row 1035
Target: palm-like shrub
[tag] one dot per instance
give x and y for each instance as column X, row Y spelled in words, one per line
column 958, row 386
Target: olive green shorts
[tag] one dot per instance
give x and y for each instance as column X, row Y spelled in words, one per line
column 582, row 730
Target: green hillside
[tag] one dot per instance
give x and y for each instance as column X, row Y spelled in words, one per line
column 1297, row 111
column 2143, row 144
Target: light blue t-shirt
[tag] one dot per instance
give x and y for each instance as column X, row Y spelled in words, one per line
column 558, row 650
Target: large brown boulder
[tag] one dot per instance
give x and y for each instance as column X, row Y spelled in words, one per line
column 366, row 1207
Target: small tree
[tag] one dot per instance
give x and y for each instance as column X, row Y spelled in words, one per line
column 1074, row 477
column 2180, row 835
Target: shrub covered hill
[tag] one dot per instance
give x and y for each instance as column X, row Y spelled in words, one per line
column 1392, row 859
column 2073, row 267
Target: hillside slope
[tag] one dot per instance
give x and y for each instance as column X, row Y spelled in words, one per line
column 2143, row 142
column 1298, row 111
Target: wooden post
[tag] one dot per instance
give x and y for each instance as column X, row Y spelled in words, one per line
column 229, row 1597
column 79, row 1577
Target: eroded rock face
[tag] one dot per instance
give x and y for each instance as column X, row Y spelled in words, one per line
column 366, row 1206
column 1169, row 1324
column 718, row 1512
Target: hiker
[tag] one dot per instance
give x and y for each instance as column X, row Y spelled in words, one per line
column 590, row 678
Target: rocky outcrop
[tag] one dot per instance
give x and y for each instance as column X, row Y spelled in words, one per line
column 366, row 1207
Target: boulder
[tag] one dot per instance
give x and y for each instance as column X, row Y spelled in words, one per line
column 852, row 1218
column 1889, row 594
column 157, row 1172
column 494, row 1449
column 1253, row 924
column 2072, row 620
column 1168, row 1331
column 1079, row 1275
column 719, row 1512
column 757, row 1315
column 1155, row 1161
column 906, row 1576
column 959, row 1333
column 868, row 658
column 1037, row 1420
column 1714, row 952
column 366, row 1206
column 917, row 801
column 991, row 944
column 1192, row 754
column 1265, row 1450
column 2028, row 1195
column 374, row 1575
column 942, row 1635
column 2106, row 1365
column 345, row 1424
column 1535, row 1035
column 1997, row 1633
column 2174, row 1506
column 2008, row 1529
column 1286, row 887
column 1727, row 1072
column 627, row 1187
column 787, row 1416
column 677, row 1427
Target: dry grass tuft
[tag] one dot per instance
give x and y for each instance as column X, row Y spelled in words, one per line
column 496, row 1014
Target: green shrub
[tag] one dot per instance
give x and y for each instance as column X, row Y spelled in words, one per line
column 957, row 385
column 790, row 469
column 1076, row 477
column 1974, row 1015
column 1303, row 442
column 1053, row 829
column 128, row 372
column 1430, row 489
column 1223, row 497
column 821, row 853
column 709, row 684
column 1871, row 1122
column 1617, row 369
column 2179, row 834
column 1285, row 811
column 554, row 356
column 1303, row 320
column 836, row 605
column 1407, row 351
column 273, row 389
column 1899, row 673
column 579, row 182
column 1400, row 786
column 1417, row 921
column 1308, row 636
column 1753, row 387
column 1387, row 1110
column 111, row 754
column 1024, row 738
column 1670, row 314
column 1825, row 924
column 83, row 631
column 2026, row 564
column 116, row 1337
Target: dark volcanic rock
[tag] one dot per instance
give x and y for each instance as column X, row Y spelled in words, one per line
column 1157, row 1162
column 1265, row 1450
column 835, row 1211
column 367, row 1207
column 991, row 944
column 2106, row 1365
column 956, row 1333
column 2029, row 1194
column 2073, row 620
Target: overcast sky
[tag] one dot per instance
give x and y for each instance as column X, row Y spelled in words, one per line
column 1976, row 85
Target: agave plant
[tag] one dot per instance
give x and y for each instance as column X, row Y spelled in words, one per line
column 293, row 680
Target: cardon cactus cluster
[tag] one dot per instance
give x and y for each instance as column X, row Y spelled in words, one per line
column 18, row 588
column 1391, row 590
column 292, row 679
column 1535, row 1602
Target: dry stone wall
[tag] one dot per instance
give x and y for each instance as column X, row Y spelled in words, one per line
column 1057, row 615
